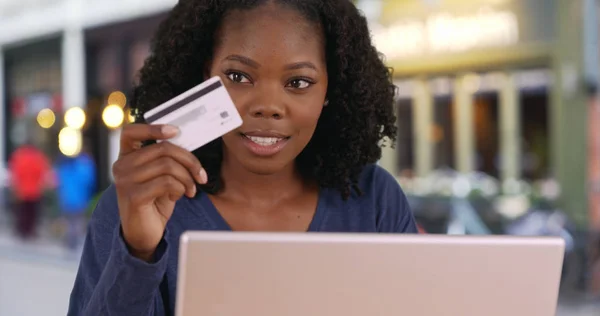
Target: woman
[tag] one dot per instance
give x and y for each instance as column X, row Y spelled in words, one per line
column 316, row 101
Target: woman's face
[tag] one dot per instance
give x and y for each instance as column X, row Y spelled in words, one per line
column 272, row 61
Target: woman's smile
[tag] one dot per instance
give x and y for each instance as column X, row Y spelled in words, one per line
column 264, row 143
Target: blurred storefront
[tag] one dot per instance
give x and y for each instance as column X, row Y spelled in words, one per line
column 115, row 53
column 489, row 86
column 33, row 96
column 61, row 55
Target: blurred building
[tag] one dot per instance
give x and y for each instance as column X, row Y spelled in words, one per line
column 56, row 55
column 115, row 53
column 504, row 87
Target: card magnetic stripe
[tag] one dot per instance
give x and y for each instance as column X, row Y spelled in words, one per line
column 176, row 106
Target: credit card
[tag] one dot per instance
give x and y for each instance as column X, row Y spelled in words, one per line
column 202, row 114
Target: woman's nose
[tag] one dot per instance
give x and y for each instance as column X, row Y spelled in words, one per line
column 268, row 104
column 267, row 111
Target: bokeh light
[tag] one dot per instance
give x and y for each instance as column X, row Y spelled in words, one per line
column 75, row 118
column 46, row 118
column 130, row 117
column 113, row 116
column 117, row 98
column 70, row 141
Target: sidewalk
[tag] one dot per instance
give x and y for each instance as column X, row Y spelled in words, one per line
column 37, row 277
column 49, row 267
column 45, row 249
column 39, row 251
column 578, row 307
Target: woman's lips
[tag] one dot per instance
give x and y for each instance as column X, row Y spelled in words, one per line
column 264, row 145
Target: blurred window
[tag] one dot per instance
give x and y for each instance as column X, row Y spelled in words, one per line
column 443, row 132
column 487, row 138
column 405, row 140
column 535, row 140
column 534, row 87
column 33, row 82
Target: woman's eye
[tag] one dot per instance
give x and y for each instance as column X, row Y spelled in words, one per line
column 237, row 77
column 299, row 84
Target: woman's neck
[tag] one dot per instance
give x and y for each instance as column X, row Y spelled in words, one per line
column 242, row 184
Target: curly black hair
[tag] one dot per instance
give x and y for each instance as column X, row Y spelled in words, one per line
column 350, row 130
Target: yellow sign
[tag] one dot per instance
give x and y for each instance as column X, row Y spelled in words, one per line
column 441, row 33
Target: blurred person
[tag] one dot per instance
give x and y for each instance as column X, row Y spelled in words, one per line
column 29, row 175
column 4, row 185
column 316, row 101
column 76, row 179
column 595, row 264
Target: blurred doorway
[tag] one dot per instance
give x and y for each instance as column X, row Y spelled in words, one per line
column 487, row 133
column 535, row 130
column 405, row 139
column 443, row 132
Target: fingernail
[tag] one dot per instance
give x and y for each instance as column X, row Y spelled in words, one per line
column 194, row 191
column 203, row 176
column 169, row 130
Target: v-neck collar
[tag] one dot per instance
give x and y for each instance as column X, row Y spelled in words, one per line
column 219, row 223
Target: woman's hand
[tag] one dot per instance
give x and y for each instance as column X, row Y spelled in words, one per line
column 149, row 181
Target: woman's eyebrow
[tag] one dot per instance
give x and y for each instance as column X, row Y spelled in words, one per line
column 251, row 63
column 300, row 65
column 244, row 60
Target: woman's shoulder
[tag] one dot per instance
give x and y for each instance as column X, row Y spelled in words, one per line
column 383, row 192
column 376, row 180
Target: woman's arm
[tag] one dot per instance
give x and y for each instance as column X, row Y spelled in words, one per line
column 110, row 281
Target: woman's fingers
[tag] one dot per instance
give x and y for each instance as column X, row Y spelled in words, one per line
column 155, row 188
column 133, row 135
column 135, row 158
column 164, row 166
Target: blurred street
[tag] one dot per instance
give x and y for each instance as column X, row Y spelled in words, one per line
column 578, row 308
column 24, row 264
column 36, row 278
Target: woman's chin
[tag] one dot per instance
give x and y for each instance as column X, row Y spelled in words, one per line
column 265, row 168
column 282, row 161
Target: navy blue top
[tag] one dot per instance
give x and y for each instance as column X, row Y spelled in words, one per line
column 112, row 282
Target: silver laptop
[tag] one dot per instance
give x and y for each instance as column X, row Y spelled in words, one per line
column 290, row 274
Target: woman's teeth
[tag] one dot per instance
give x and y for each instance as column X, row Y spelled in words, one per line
column 264, row 141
